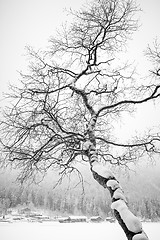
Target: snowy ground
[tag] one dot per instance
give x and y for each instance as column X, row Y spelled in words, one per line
column 70, row 231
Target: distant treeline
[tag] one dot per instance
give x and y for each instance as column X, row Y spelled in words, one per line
column 61, row 201
column 141, row 189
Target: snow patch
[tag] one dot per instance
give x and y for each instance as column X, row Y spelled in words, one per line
column 102, row 171
column 140, row 236
column 119, row 205
column 113, row 184
column 94, row 157
column 118, row 194
column 119, row 190
column 86, row 145
column 131, row 221
column 92, row 151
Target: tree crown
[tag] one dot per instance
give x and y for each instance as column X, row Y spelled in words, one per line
column 72, row 93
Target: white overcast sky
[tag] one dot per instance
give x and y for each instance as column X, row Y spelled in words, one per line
column 32, row 22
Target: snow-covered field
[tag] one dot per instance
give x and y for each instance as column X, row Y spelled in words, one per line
column 70, row 231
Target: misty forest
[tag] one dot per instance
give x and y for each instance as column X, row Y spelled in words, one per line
column 70, row 199
column 60, row 120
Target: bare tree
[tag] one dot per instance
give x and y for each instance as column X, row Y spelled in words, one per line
column 63, row 112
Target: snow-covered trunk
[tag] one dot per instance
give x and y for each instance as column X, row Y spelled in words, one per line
column 130, row 224
column 127, row 220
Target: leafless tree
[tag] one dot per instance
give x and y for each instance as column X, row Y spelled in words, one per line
column 64, row 109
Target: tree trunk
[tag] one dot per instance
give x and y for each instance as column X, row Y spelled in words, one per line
column 127, row 220
column 130, row 224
